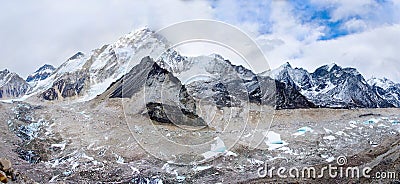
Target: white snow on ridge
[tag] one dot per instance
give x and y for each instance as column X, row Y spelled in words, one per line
column 383, row 83
column 72, row 65
column 97, row 89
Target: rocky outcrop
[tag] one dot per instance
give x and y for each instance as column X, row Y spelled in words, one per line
column 67, row 86
column 167, row 100
column 7, row 172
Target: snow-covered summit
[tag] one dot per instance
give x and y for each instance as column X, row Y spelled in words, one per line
column 330, row 86
column 41, row 74
column 87, row 75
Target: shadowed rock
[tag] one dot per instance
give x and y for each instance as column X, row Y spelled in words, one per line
column 167, row 100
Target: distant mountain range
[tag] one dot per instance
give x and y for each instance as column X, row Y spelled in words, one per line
column 132, row 57
column 337, row 87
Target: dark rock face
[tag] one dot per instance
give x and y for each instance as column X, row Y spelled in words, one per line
column 232, row 85
column 350, row 89
column 387, row 90
column 50, row 94
column 282, row 95
column 67, row 86
column 331, row 86
column 288, row 97
column 133, row 81
column 173, row 115
column 167, row 100
column 221, row 96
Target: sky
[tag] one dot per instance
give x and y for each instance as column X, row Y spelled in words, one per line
column 364, row 34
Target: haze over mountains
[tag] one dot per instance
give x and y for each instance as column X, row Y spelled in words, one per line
column 83, row 77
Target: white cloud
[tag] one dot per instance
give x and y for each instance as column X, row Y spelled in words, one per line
column 371, row 48
column 37, row 32
column 344, row 8
column 355, row 25
column 289, row 35
column 373, row 53
column 45, row 31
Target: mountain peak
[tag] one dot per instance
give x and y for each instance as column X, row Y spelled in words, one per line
column 76, row 56
column 41, row 74
column 330, row 67
column 286, row 65
column 46, row 67
column 5, row 71
column 216, row 56
column 138, row 34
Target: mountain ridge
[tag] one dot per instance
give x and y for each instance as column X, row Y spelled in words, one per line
column 83, row 77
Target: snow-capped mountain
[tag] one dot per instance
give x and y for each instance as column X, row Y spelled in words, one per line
column 331, row 86
column 229, row 85
column 165, row 94
column 299, row 78
column 12, row 85
column 41, row 74
column 386, row 89
column 84, row 76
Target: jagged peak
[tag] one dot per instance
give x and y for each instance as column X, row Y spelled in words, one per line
column 5, row 71
column 42, row 73
column 286, row 65
column 330, row 67
column 78, row 55
column 44, row 67
column 216, row 56
column 139, row 31
column 133, row 35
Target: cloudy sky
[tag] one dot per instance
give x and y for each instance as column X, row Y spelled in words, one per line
column 307, row 33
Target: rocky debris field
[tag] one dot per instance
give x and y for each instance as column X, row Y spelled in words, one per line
column 92, row 143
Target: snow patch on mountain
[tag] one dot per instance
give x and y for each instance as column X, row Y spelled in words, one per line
column 330, row 86
column 74, row 63
column 41, row 74
column 87, row 76
column 386, row 89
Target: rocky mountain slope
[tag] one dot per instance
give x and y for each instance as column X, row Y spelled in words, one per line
column 85, row 76
column 125, row 99
column 41, row 74
column 386, row 89
column 331, row 86
column 216, row 78
column 167, row 100
column 12, row 85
